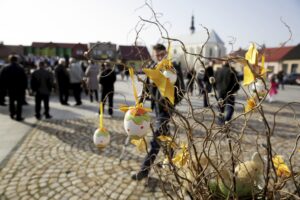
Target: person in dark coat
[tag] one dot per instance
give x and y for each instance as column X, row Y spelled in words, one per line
column 163, row 111
column 14, row 81
column 41, row 85
column 227, row 85
column 107, row 81
column 2, row 92
column 63, row 81
column 209, row 72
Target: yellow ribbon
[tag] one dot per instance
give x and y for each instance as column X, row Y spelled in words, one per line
column 101, row 116
column 133, row 85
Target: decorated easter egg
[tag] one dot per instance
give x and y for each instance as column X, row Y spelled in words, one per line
column 137, row 122
column 259, row 86
column 101, row 138
column 172, row 76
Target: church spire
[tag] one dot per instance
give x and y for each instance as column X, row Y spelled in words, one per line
column 192, row 28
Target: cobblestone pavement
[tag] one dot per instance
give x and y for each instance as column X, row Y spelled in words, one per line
column 57, row 159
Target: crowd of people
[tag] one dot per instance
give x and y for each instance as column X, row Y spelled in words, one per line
column 40, row 76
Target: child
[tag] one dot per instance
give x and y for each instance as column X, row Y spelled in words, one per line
column 273, row 89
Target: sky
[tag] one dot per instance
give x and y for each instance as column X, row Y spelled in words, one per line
column 235, row 21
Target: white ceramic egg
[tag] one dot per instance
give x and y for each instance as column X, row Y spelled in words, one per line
column 170, row 75
column 260, row 88
column 101, row 138
column 138, row 125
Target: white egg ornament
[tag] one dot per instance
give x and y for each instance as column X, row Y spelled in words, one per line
column 172, row 76
column 137, row 122
column 101, row 138
column 260, row 88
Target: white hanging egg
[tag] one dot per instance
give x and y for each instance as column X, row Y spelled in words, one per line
column 137, row 122
column 101, row 138
column 170, row 75
column 259, row 86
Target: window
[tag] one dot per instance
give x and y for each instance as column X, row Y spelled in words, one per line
column 79, row 52
column 174, row 51
column 294, row 68
column 210, row 52
column 219, row 52
column 270, row 68
column 110, row 53
column 285, row 68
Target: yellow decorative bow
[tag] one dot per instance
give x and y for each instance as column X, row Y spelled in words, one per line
column 137, row 109
column 282, row 170
column 181, row 157
column 165, row 87
column 140, row 144
column 252, row 58
column 168, row 140
column 250, row 104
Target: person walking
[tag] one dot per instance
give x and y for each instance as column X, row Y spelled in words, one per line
column 207, row 87
column 14, row 80
column 76, row 76
column 273, row 89
column 41, row 85
column 63, row 81
column 163, row 112
column 92, row 73
column 107, row 81
column 227, row 85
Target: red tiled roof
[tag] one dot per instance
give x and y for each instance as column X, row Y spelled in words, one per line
column 276, row 54
column 134, row 53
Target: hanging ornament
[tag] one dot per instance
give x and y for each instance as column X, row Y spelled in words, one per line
column 171, row 75
column 137, row 122
column 258, row 88
column 101, row 135
column 137, row 119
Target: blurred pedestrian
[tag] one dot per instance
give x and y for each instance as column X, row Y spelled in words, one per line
column 14, row 81
column 191, row 75
column 76, row 76
column 92, row 73
column 63, row 81
column 280, row 76
column 107, row 81
column 227, row 85
column 273, row 89
column 41, row 85
column 209, row 72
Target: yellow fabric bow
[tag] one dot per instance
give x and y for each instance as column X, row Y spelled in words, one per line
column 168, row 140
column 140, row 144
column 181, row 157
column 282, row 170
column 137, row 109
column 165, row 87
column 250, row 104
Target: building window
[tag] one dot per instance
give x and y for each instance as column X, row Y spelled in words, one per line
column 79, row 52
column 174, row 51
column 110, row 53
column 294, row 68
column 210, row 52
column 270, row 69
column 219, row 52
column 285, row 68
column 99, row 52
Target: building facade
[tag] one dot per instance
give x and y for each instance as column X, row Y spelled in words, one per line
column 103, row 51
column 197, row 43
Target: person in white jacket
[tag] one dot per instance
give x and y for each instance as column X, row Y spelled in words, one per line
column 76, row 76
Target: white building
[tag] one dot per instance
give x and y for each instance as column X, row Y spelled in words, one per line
column 210, row 46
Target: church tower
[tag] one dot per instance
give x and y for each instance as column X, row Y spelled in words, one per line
column 192, row 28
